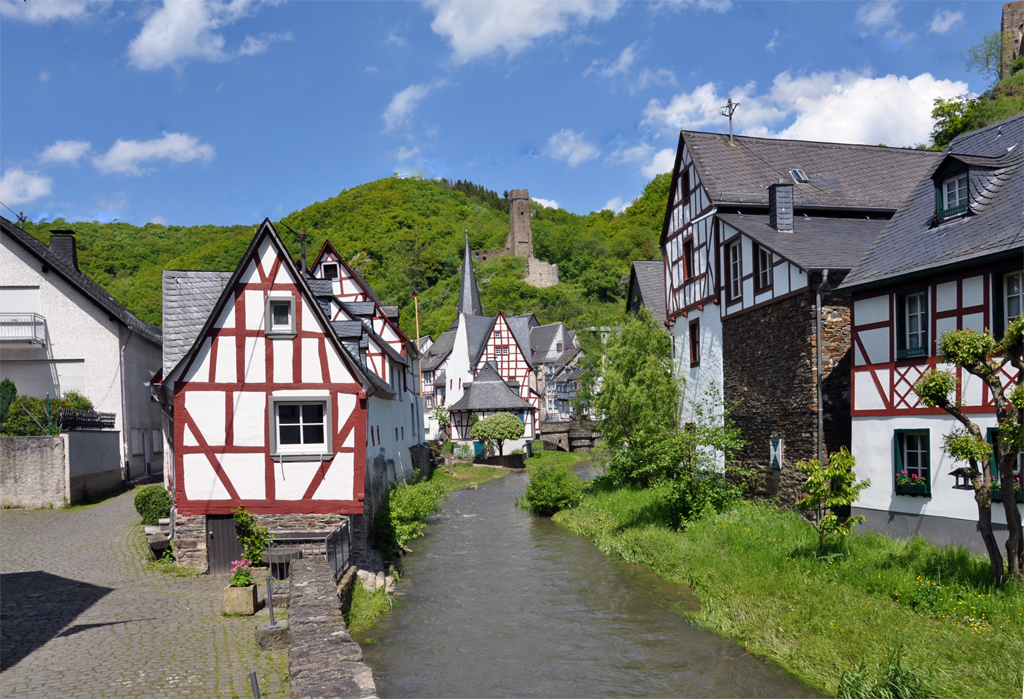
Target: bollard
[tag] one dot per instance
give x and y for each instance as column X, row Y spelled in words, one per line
column 270, row 602
column 255, row 684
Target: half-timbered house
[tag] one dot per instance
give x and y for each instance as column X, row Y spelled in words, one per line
column 952, row 258
column 290, row 395
column 757, row 234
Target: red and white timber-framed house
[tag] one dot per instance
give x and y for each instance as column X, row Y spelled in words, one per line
column 752, row 229
column 952, row 258
column 277, row 406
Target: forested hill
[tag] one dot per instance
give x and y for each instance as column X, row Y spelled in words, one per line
column 400, row 233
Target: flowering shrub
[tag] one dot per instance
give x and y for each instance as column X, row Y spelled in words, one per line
column 903, row 478
column 241, row 573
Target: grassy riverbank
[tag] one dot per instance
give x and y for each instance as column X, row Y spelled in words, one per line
column 465, row 476
column 759, row 580
column 563, row 458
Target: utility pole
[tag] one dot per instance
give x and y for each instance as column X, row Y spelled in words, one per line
column 727, row 111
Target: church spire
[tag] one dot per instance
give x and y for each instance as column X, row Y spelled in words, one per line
column 469, row 294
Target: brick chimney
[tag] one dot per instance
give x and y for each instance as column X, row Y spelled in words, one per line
column 780, row 207
column 62, row 244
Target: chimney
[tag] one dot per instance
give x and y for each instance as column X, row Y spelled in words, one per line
column 780, row 207
column 62, row 244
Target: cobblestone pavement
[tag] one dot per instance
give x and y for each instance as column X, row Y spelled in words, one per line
column 83, row 614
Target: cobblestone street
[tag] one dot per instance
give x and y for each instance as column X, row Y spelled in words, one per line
column 85, row 615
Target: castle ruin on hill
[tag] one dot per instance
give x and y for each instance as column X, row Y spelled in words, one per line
column 520, row 242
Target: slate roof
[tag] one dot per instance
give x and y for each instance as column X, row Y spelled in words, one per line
column 320, row 287
column 438, row 351
column 469, row 294
column 66, row 269
column 391, row 312
column 478, row 329
column 489, row 391
column 841, row 174
column 440, row 380
column 348, row 329
column 362, row 309
column 815, row 242
column 520, row 327
column 649, row 276
column 913, row 243
column 542, row 338
column 188, row 300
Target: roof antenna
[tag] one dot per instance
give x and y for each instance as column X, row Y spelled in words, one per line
column 727, row 111
column 301, row 238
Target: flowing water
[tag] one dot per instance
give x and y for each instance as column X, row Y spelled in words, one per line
column 497, row 602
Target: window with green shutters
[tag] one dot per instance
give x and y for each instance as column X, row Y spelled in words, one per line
column 1007, row 299
column 912, row 462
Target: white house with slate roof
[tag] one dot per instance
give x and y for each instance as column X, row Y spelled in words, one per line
column 753, row 231
column 951, row 258
column 291, row 395
column 60, row 331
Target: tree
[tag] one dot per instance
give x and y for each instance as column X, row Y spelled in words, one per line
column 601, row 280
column 638, row 386
column 982, row 356
column 8, row 392
column 951, row 119
column 497, row 428
column 986, row 57
column 828, row 488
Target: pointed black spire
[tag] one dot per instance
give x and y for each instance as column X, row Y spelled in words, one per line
column 469, row 294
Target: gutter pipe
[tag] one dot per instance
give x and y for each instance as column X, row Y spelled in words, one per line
column 821, row 404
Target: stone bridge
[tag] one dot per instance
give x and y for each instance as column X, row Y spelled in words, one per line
column 570, row 436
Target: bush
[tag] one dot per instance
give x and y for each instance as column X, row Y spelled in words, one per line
column 251, row 534
column 692, row 496
column 27, row 416
column 552, row 488
column 153, row 502
column 8, row 392
column 402, row 518
column 74, row 399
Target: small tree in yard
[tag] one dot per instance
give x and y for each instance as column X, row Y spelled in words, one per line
column 981, row 355
column 497, row 428
column 829, row 487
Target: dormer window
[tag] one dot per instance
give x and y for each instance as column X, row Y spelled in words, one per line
column 330, row 271
column 953, row 197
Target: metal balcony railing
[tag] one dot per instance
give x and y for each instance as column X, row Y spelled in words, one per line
column 23, row 327
column 953, row 211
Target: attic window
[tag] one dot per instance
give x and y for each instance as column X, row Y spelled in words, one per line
column 799, row 176
column 330, row 271
column 280, row 320
column 953, row 197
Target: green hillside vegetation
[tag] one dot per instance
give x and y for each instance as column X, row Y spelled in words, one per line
column 400, row 233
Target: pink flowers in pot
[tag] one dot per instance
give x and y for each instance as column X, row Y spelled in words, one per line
column 241, row 573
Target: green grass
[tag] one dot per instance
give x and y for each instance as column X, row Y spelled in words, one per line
column 563, row 458
column 367, row 608
column 759, row 580
column 467, row 475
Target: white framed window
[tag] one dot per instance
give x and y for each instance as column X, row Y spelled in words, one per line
column 157, row 441
column 138, row 438
column 765, row 259
column 916, row 321
column 300, row 426
column 330, row 270
column 954, row 191
column 1013, row 296
column 281, row 316
column 735, row 270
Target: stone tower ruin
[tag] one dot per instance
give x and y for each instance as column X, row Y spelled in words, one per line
column 1012, row 28
column 520, row 237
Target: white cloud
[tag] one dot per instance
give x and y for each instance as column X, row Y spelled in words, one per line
column 547, row 203
column 477, row 29
column 48, row 10
column 715, row 5
column 661, row 76
column 256, row 45
column 159, row 220
column 616, row 204
column 44, row 77
column 187, row 29
column 633, row 154
column 396, row 40
column 620, row 66
column 844, row 106
column 18, row 186
column 770, row 46
column 403, row 153
column 663, row 161
column 404, row 103
column 125, row 157
column 880, row 18
column 569, row 146
column 64, row 152
column 945, row 20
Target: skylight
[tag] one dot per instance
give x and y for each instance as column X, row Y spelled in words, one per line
column 799, row 176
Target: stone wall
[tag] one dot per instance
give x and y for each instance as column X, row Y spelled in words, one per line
column 93, row 464
column 770, row 367
column 1012, row 28
column 539, row 273
column 190, row 542
column 32, row 471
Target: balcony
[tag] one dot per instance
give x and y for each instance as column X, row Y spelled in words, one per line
column 953, row 211
column 26, row 328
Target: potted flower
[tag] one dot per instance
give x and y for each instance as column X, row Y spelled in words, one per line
column 910, row 484
column 240, row 594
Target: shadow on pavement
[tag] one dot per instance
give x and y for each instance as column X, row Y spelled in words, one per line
column 35, row 607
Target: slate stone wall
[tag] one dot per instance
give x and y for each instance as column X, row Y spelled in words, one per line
column 770, row 367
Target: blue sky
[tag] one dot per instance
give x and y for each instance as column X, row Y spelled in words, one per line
column 228, row 111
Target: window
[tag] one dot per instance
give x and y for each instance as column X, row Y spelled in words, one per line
column 281, row 316
column 558, row 347
column 954, row 192
column 684, row 186
column 429, row 400
column 300, row 427
column 735, row 271
column 764, row 260
column 1007, row 299
column 912, row 325
column 497, row 335
column 912, row 462
column 695, row 342
column 330, row 271
column 138, row 440
column 1012, row 297
column 688, row 271
column 992, row 437
column 158, row 441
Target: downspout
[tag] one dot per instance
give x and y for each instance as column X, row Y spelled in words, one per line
column 174, row 490
column 821, row 397
column 124, row 413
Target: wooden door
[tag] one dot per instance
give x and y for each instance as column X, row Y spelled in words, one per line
column 222, row 546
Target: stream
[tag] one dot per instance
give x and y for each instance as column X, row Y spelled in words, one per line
column 497, row 602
